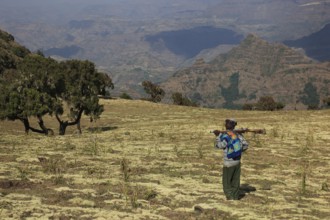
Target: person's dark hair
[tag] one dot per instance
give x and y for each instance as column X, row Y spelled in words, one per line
column 230, row 124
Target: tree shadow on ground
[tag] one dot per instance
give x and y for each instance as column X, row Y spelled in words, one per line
column 244, row 189
column 102, row 129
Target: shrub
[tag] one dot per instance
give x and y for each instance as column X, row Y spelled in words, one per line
column 156, row 93
column 265, row 103
column 179, row 99
column 6, row 36
column 279, row 105
column 326, row 102
column 248, row 106
column 125, row 96
column 20, row 51
column 313, row 107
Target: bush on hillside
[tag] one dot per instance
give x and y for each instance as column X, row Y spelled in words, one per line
column 156, row 93
column 265, row 103
column 248, row 106
column 313, row 107
column 6, row 36
column 179, row 99
column 326, row 102
column 124, row 95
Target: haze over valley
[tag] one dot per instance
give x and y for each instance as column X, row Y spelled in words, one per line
column 72, row 147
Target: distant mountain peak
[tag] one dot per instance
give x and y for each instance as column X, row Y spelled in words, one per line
column 253, row 69
column 252, row 38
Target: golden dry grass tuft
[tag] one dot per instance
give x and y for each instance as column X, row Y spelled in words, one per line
column 144, row 160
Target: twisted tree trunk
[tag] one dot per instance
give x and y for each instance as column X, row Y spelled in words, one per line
column 27, row 126
column 46, row 131
column 65, row 124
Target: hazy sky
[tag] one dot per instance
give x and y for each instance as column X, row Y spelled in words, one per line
column 61, row 11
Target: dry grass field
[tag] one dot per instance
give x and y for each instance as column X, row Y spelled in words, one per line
column 144, row 160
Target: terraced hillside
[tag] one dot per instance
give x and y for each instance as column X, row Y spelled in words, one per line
column 153, row 161
column 251, row 70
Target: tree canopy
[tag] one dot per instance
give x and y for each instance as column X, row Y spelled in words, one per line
column 179, row 99
column 28, row 91
column 155, row 91
column 79, row 89
column 37, row 86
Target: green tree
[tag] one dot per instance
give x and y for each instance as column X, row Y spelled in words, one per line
column 79, row 89
column 125, row 96
column 6, row 61
column 179, row 99
column 156, row 93
column 249, row 106
column 27, row 92
column 41, row 86
column 231, row 93
column 310, row 96
column 267, row 103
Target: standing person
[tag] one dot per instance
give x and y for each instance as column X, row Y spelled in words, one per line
column 232, row 144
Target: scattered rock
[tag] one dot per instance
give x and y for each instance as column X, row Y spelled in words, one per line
column 151, row 195
column 266, row 187
column 198, row 209
column 42, row 159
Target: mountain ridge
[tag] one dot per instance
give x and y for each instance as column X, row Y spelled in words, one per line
column 112, row 33
column 251, row 70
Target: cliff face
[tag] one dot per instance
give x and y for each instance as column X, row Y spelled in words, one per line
column 251, row 70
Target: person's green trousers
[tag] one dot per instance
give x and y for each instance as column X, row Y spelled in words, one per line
column 231, row 181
